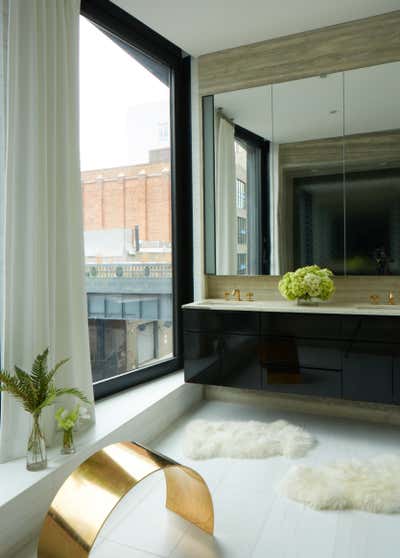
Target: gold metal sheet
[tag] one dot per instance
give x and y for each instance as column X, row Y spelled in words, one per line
column 91, row 492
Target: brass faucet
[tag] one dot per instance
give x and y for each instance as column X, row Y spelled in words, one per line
column 236, row 294
column 391, row 298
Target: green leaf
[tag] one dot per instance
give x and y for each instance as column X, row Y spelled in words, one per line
column 27, row 386
column 73, row 391
column 52, row 373
column 39, row 375
column 36, row 390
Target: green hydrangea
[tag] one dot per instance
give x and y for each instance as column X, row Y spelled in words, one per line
column 306, row 282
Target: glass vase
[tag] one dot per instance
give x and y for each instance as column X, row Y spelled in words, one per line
column 36, row 457
column 308, row 301
column 68, row 446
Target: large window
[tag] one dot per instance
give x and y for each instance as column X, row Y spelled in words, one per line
column 131, row 200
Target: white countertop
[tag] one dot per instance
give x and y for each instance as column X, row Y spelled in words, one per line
column 363, row 309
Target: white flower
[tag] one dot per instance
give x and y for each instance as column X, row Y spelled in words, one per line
column 83, row 413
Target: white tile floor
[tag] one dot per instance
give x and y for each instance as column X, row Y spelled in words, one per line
column 251, row 519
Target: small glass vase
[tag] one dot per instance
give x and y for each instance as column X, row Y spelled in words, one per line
column 36, row 457
column 308, row 301
column 68, row 446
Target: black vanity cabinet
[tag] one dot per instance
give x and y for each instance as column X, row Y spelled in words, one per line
column 221, row 348
column 326, row 355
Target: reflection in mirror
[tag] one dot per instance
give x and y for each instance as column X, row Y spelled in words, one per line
column 242, row 134
column 306, row 172
column 372, row 170
column 307, row 188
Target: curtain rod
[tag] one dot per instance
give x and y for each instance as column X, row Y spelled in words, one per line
column 221, row 113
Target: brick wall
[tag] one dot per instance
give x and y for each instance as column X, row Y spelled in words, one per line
column 123, row 197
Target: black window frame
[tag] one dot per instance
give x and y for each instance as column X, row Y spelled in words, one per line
column 141, row 39
column 247, row 137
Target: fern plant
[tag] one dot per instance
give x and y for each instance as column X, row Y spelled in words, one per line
column 36, row 390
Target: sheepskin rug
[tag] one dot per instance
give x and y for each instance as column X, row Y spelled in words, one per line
column 204, row 439
column 371, row 485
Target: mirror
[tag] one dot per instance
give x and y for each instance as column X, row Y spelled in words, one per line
column 305, row 172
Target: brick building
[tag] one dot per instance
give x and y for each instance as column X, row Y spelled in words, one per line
column 127, row 212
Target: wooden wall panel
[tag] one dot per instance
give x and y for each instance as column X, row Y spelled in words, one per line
column 356, row 44
column 358, row 148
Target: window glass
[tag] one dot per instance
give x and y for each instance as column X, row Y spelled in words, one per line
column 126, row 189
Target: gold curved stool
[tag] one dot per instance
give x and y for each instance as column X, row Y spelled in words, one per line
column 91, row 492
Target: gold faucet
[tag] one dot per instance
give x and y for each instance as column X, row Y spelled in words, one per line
column 236, row 294
column 391, row 298
column 374, row 299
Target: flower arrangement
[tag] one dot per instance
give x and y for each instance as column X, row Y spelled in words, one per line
column 35, row 391
column 307, row 283
column 66, row 421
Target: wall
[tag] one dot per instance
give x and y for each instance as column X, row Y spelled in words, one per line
column 348, row 289
column 356, row 44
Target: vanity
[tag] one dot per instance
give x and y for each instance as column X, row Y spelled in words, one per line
column 301, row 166
column 347, row 352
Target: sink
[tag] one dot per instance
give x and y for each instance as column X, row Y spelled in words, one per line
column 389, row 307
column 229, row 304
column 223, row 301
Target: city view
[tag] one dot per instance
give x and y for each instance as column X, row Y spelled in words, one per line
column 126, row 191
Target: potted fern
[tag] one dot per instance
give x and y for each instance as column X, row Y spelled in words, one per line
column 35, row 391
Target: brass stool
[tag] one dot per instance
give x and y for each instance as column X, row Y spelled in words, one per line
column 91, row 492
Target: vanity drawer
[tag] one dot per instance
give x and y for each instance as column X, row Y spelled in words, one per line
column 308, row 353
column 368, row 373
column 200, row 320
column 240, row 322
column 304, row 381
column 221, row 321
column 240, row 362
column 372, row 328
column 202, row 358
column 301, row 325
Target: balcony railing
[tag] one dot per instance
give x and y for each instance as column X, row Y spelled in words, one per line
column 129, row 271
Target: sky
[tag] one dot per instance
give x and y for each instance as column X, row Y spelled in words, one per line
column 121, row 104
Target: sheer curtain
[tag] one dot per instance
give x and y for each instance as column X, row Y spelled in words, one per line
column 3, row 71
column 225, row 199
column 45, row 301
column 254, row 186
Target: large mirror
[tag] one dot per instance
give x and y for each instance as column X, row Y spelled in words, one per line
column 305, row 172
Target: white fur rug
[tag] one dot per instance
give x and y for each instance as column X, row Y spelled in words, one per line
column 371, row 485
column 204, row 439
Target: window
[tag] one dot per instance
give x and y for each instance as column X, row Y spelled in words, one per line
column 242, row 230
column 131, row 190
column 241, row 196
column 251, row 155
column 242, row 264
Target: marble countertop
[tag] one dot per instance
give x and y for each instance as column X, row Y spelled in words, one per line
column 287, row 306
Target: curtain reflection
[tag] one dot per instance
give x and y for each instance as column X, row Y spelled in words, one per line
column 225, row 200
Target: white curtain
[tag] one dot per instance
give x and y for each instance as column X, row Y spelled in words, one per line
column 275, row 196
column 3, row 70
column 45, row 302
column 225, row 199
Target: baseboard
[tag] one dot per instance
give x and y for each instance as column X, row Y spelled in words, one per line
column 371, row 412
